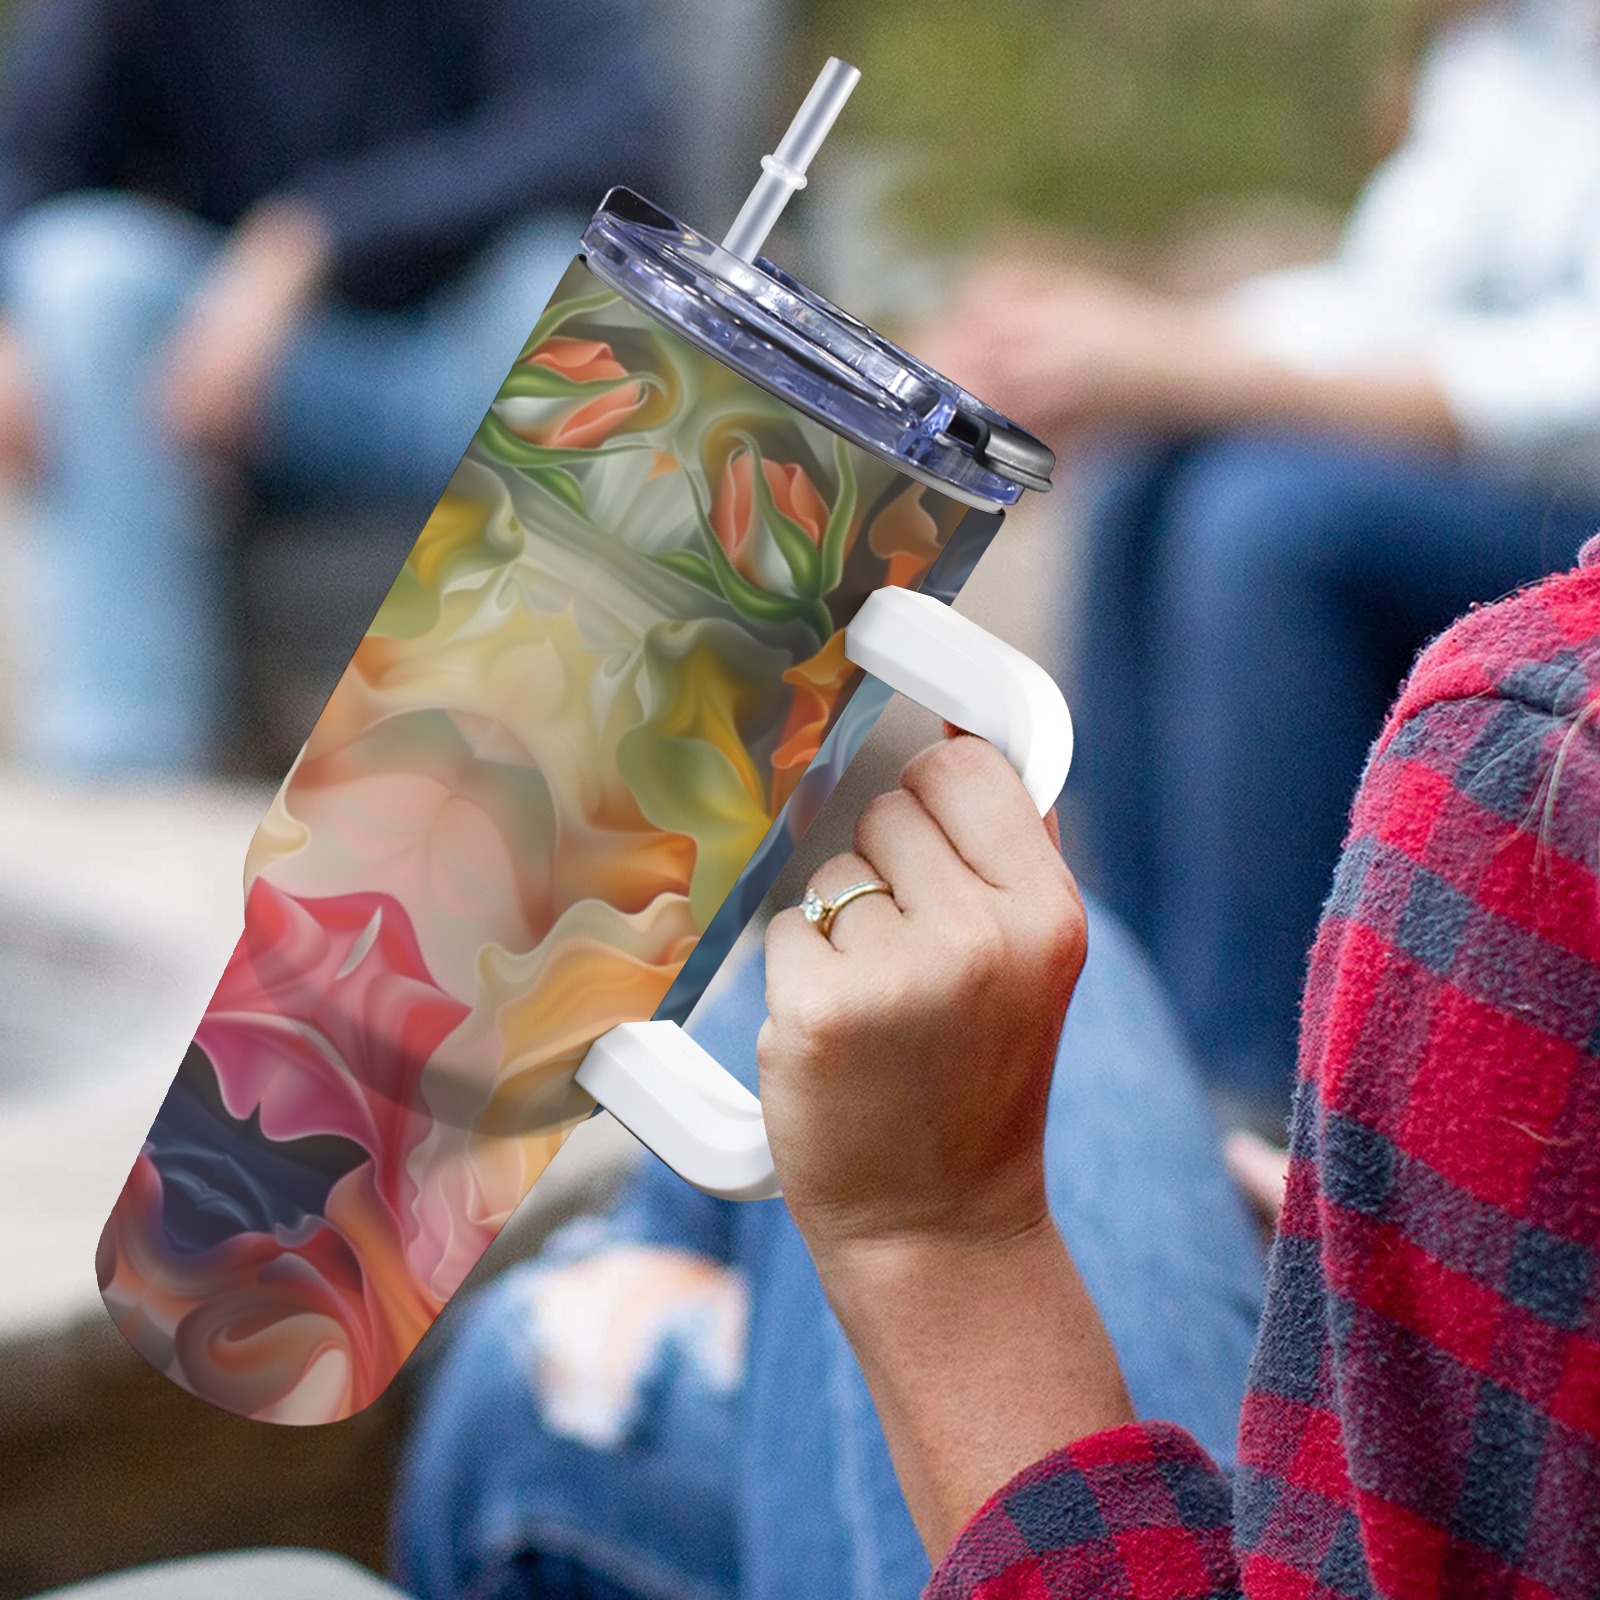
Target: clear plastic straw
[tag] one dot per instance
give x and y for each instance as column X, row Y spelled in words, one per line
column 784, row 171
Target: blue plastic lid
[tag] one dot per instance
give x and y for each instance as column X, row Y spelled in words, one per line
column 776, row 332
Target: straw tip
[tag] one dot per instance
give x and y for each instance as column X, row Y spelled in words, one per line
column 784, row 171
column 838, row 79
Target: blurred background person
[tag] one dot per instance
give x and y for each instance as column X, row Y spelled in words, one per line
column 1292, row 487
column 293, row 246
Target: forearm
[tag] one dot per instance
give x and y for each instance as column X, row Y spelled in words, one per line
column 221, row 357
column 981, row 1359
column 1220, row 382
column 274, row 267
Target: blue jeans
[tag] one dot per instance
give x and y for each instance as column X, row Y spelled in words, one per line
column 127, row 583
column 1251, row 603
column 699, row 1483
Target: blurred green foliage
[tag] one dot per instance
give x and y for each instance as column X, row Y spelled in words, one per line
column 1118, row 117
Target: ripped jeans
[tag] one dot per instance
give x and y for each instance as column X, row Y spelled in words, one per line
column 662, row 1406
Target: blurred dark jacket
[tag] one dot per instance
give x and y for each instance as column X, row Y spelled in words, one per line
column 419, row 128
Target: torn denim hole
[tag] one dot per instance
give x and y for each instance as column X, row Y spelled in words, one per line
column 599, row 1331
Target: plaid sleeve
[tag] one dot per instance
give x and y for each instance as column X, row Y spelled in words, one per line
column 1423, row 1418
column 1135, row 1513
column 1424, row 1415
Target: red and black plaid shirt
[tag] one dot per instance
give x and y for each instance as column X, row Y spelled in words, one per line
column 1423, row 1417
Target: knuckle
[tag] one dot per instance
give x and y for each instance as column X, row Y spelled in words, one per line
column 769, row 1046
column 991, row 941
column 815, row 1021
column 901, row 991
column 835, row 872
column 976, row 940
column 968, row 756
column 882, row 814
column 1066, row 903
column 1067, row 944
column 872, row 815
column 1058, row 931
column 922, row 766
column 956, row 762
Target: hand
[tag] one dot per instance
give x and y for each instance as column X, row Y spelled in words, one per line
column 1262, row 1172
column 906, row 1064
column 220, row 361
column 1069, row 352
column 20, row 450
column 905, row 1070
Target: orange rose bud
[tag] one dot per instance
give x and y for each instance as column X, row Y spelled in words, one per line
column 586, row 361
column 733, row 512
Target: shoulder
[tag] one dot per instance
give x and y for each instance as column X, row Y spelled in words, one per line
column 1446, row 1125
column 1470, row 878
column 1538, row 648
column 1491, row 755
column 1492, row 51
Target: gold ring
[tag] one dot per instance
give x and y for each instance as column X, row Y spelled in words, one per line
column 820, row 913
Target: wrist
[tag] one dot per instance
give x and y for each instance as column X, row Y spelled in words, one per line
column 868, row 1273
column 983, row 1355
column 859, row 1240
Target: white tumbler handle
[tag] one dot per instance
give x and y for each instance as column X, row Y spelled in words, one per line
column 669, row 1092
column 948, row 664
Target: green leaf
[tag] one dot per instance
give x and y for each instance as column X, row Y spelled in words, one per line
column 745, row 597
column 757, row 604
column 691, row 566
column 500, row 443
column 561, row 311
column 794, row 543
column 839, row 520
column 528, row 380
column 816, row 617
column 561, row 485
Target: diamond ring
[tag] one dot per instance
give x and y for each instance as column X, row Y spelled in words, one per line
column 820, row 913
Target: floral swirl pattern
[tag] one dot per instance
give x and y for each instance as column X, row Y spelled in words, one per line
column 576, row 721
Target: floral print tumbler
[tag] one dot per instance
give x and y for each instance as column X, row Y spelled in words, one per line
column 606, row 690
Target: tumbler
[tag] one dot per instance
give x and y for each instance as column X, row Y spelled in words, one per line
column 623, row 663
